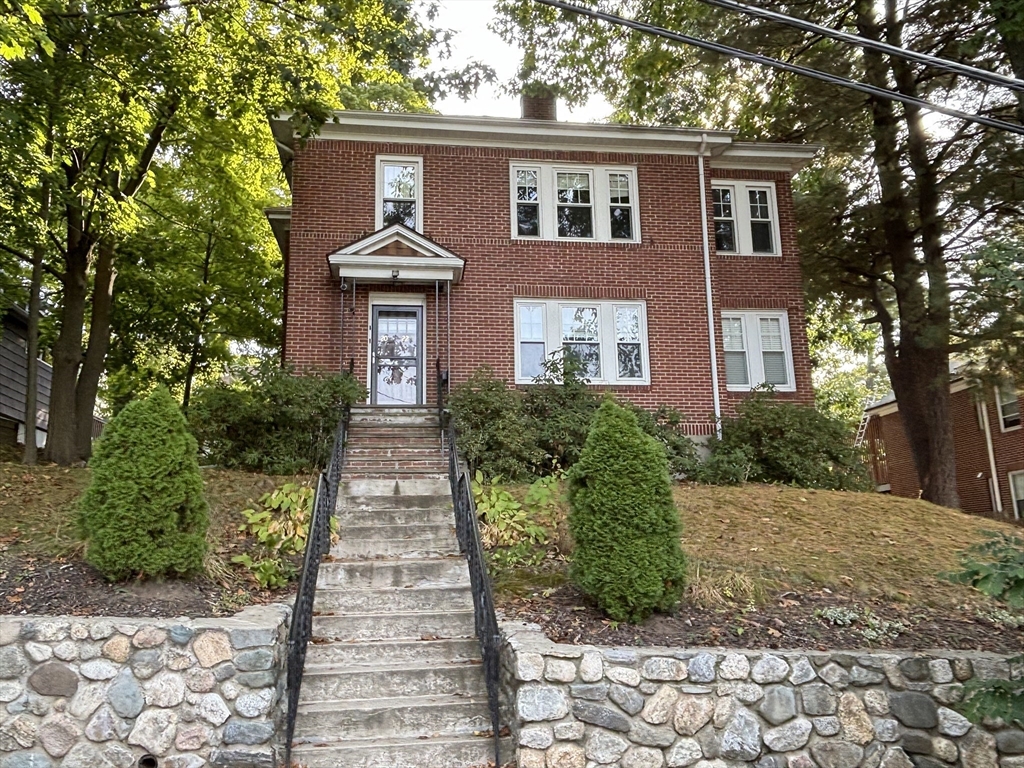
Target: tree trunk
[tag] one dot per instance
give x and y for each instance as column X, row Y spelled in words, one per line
column 61, row 447
column 31, row 454
column 1010, row 25
column 204, row 313
column 99, row 343
column 918, row 363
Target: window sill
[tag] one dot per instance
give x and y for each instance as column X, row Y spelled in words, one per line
column 751, row 389
column 591, row 240
column 735, row 254
column 1009, row 429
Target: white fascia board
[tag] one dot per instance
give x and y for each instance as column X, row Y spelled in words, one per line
column 514, row 133
column 765, row 156
column 410, row 268
column 882, row 410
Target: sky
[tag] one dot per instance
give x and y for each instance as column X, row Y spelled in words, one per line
column 472, row 40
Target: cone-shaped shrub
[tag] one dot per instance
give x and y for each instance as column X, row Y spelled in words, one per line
column 143, row 513
column 623, row 519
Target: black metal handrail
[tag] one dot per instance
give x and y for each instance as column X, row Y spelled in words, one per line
column 318, row 544
column 483, row 600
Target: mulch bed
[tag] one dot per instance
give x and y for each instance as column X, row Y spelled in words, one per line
column 786, row 621
column 60, row 587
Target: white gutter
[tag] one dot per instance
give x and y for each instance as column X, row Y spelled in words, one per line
column 996, row 494
column 712, row 344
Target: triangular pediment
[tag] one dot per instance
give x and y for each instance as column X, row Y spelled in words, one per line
column 396, row 254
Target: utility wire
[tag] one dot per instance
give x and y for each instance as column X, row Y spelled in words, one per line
column 768, row 61
column 993, row 78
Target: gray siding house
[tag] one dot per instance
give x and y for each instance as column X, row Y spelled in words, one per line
column 13, row 378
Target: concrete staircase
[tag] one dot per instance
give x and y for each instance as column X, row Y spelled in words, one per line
column 393, row 677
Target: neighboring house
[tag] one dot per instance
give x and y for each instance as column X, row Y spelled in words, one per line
column 423, row 243
column 13, row 378
column 989, row 446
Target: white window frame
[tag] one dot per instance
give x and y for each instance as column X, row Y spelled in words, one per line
column 999, row 408
column 741, row 215
column 383, row 160
column 600, row 201
column 752, row 344
column 1014, row 499
column 607, row 338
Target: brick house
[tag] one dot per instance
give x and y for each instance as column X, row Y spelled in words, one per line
column 421, row 243
column 989, row 445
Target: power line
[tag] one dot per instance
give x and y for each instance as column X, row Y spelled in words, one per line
column 993, row 78
column 768, row 61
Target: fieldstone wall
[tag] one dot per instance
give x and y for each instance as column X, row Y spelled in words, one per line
column 101, row 693
column 590, row 707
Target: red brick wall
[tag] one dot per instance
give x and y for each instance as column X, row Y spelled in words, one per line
column 466, row 209
column 972, row 463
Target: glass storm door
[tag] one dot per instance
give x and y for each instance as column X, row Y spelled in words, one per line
column 397, row 350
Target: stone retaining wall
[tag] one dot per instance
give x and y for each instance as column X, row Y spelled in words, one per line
column 101, row 693
column 589, row 707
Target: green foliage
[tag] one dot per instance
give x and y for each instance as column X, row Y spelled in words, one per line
column 724, row 466
column 791, row 444
column 493, row 434
column 505, row 521
column 558, row 408
column 995, row 567
column 623, row 519
column 281, row 528
column 666, row 426
column 996, row 698
column 143, row 513
column 272, row 420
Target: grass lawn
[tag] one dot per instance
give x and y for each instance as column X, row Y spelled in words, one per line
column 41, row 554
column 764, row 559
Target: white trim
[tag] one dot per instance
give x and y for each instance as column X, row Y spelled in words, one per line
column 883, row 410
column 1013, row 492
column 741, row 215
column 383, row 160
column 547, row 200
column 996, row 494
column 606, row 335
column 358, row 260
column 752, row 347
column 381, row 299
column 999, row 408
column 716, row 394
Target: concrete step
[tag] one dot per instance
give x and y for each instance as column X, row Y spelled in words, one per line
column 391, row 681
column 423, row 625
column 393, row 452
column 401, row 599
column 390, row 501
column 427, row 652
column 381, row 531
column 425, row 547
column 394, row 421
column 396, row 487
column 348, row 517
column 375, row 442
column 435, row 752
column 392, row 475
column 411, row 717
column 402, row 430
column 375, row 574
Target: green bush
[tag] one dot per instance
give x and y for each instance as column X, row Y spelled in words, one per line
column 271, row 419
column 143, row 513
column 493, row 434
column 558, row 408
column 789, row 443
column 623, row 519
column 995, row 567
column 666, row 426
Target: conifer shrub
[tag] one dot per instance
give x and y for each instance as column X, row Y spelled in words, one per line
column 623, row 519
column 143, row 513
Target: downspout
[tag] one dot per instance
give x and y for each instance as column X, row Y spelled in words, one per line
column 996, row 494
column 712, row 344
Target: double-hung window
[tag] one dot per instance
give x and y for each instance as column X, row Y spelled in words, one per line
column 745, row 217
column 591, row 203
column 606, row 339
column 1017, row 493
column 400, row 192
column 757, row 350
column 1009, row 407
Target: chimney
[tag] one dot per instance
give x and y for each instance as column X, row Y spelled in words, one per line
column 540, row 107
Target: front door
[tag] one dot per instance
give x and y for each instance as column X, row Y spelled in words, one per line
column 396, row 373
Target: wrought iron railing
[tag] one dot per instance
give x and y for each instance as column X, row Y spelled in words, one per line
column 318, row 544
column 483, row 599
